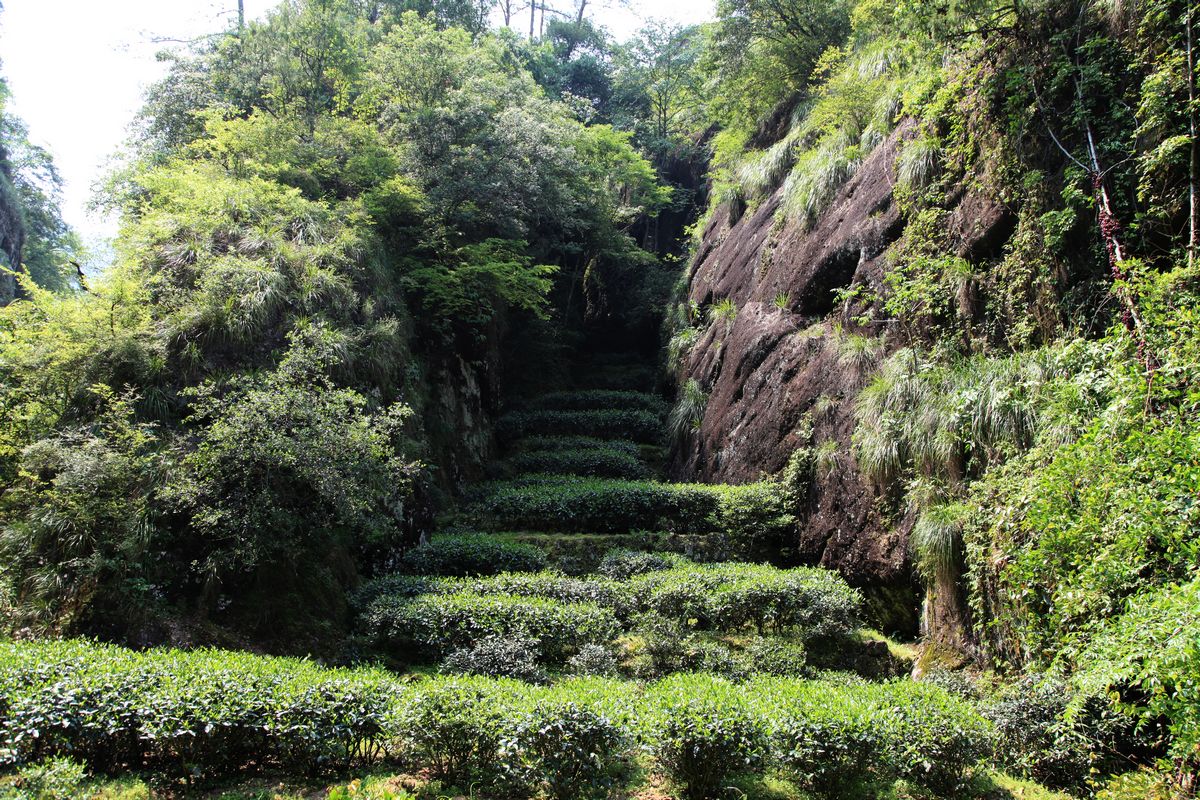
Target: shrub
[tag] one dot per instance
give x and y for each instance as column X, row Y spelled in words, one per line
column 828, row 734
column 398, row 585
column 755, row 516
column 578, row 443
column 588, row 462
column 430, row 626
column 498, row 657
column 548, row 584
column 827, row 738
column 604, row 506
column 604, row 423
column 455, row 731
column 937, row 738
column 664, row 645
column 1033, row 736
column 206, row 713
column 700, row 744
column 776, row 657
column 729, row 597
column 573, row 750
column 472, row 555
column 624, row 564
column 210, row 714
column 712, row 657
column 595, row 399
column 593, row 659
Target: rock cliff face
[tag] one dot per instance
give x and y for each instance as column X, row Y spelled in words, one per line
column 779, row 378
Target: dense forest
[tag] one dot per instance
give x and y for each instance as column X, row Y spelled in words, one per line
column 798, row 405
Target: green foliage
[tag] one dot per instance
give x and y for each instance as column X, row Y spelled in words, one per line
column 288, row 466
column 561, row 615
column 1103, row 519
column 701, row 745
column 680, row 346
column 724, row 311
column 1034, row 737
column 597, row 462
column 756, row 517
column 204, row 713
column 591, row 399
column 780, row 658
column 936, row 542
column 53, row 779
column 212, row 714
column 829, row 741
column 605, row 423
column 497, row 657
column 31, row 195
column 549, row 585
column 732, row 597
column 624, row 564
column 78, row 534
column 952, row 420
column 688, row 413
column 472, row 555
column 572, row 749
column 1154, row 648
column 56, row 348
column 476, row 281
column 432, row 626
column 917, row 165
column 455, row 730
column 593, row 659
column 547, row 443
column 763, row 54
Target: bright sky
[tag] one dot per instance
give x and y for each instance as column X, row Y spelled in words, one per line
column 77, row 70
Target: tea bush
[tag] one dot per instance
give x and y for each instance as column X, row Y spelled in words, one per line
column 455, row 730
column 589, row 399
column 604, row 423
column 472, row 555
column 938, row 738
column 593, row 659
column 753, row 517
column 827, row 734
column 205, row 713
column 549, row 585
column 701, row 735
column 211, row 714
column 595, row 462
column 825, row 738
column 498, row 657
column 1047, row 732
column 574, row 751
column 810, row 602
column 776, row 657
column 431, row 626
column 624, row 564
column 577, row 443
column 582, row 505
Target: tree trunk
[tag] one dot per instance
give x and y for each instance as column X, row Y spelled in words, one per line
column 532, row 17
column 241, row 15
